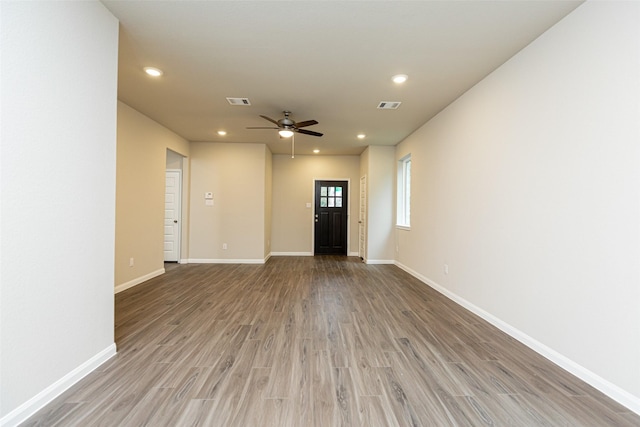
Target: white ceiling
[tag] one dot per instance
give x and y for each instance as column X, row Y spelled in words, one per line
column 331, row 61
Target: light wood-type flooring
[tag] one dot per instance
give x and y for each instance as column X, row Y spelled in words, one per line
column 317, row 341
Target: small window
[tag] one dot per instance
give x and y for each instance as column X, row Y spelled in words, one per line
column 404, row 191
column 330, row 197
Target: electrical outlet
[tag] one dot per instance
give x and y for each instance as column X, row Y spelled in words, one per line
column 446, row 269
column 130, row 262
column 224, row 246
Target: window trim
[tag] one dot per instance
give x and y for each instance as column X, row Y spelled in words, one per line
column 403, row 217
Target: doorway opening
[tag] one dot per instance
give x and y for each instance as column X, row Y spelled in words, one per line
column 173, row 200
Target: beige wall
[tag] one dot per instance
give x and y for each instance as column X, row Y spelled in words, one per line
column 293, row 189
column 140, row 187
column 236, row 175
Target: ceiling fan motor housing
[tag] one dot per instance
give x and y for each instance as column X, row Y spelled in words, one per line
column 286, row 122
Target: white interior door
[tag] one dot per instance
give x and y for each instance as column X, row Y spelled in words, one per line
column 172, row 215
column 362, row 219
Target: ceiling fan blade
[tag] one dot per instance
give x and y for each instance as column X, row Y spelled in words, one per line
column 270, row 119
column 306, row 123
column 309, row 132
column 260, row 127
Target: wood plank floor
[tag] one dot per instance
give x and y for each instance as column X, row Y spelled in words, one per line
column 316, row 341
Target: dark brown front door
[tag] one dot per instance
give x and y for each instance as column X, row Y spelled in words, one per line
column 331, row 218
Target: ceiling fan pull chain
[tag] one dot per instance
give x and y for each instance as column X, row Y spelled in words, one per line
column 293, row 142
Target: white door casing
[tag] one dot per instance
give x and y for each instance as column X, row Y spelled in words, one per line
column 362, row 217
column 172, row 208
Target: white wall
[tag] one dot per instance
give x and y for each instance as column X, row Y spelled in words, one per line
column 293, row 181
column 527, row 187
column 380, row 167
column 235, row 174
column 58, row 154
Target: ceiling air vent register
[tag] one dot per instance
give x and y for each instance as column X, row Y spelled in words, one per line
column 239, row 101
column 389, row 105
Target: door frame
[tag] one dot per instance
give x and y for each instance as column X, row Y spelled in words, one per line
column 313, row 208
column 179, row 211
column 362, row 219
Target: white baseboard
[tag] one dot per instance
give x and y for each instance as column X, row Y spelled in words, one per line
column 379, row 261
column 613, row 391
column 37, row 402
column 138, row 280
column 183, row 261
column 226, row 261
column 308, row 254
column 292, row 253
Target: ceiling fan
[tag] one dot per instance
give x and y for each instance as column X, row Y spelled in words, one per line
column 287, row 126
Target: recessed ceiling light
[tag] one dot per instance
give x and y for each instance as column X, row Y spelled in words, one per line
column 399, row 78
column 153, row 72
column 316, row 151
column 361, row 136
column 222, row 132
